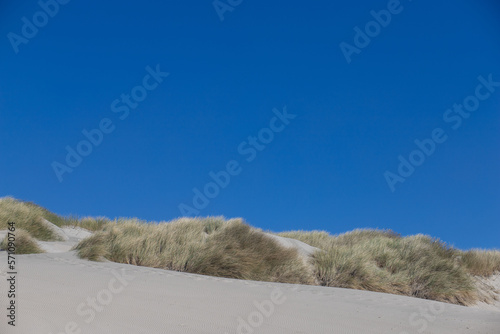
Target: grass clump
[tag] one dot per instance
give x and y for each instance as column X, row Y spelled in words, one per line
column 24, row 243
column 91, row 223
column 384, row 261
column 29, row 217
column 208, row 246
column 482, row 263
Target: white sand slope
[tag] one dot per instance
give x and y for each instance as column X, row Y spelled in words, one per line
column 303, row 249
column 55, row 229
column 59, row 293
column 72, row 236
column 490, row 290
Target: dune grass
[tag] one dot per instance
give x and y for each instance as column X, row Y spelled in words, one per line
column 29, row 217
column 479, row 262
column 208, row 246
column 375, row 260
column 23, row 243
column 383, row 261
column 92, row 224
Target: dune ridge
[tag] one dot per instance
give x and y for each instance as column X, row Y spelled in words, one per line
column 246, row 272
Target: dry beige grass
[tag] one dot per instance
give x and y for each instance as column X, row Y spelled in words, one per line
column 23, row 243
column 28, row 216
column 383, row 261
column 90, row 223
column 372, row 260
column 481, row 262
column 208, row 246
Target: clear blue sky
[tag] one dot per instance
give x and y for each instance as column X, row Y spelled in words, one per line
column 324, row 170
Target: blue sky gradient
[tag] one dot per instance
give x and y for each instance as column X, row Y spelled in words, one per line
column 324, row 170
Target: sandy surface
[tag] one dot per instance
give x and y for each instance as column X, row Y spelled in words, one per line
column 55, row 229
column 73, row 235
column 304, row 249
column 59, row 293
column 54, row 292
column 490, row 287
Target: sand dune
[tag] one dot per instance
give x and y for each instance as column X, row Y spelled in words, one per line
column 491, row 287
column 59, row 293
column 304, row 249
column 56, row 293
column 72, row 235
